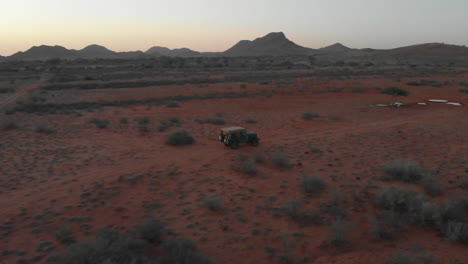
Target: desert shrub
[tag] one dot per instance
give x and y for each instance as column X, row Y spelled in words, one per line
column 453, row 222
column 387, row 226
column 213, row 203
column 403, row 170
column 142, row 120
column 143, row 128
column 247, row 166
column 174, row 119
column 400, row 200
column 124, row 120
column 173, row 104
column 44, row 129
column 401, row 257
column 152, row 230
column 180, row 138
column 395, row 91
column 309, row 115
column 297, row 212
column 100, row 123
column 163, row 125
column 280, row 160
column 250, row 120
column 463, row 90
column 335, row 89
column 7, row 90
column 338, row 233
column 243, row 86
column 358, row 90
column 64, row 235
column 184, row 251
column 431, row 186
column 259, row 157
column 312, row 184
column 463, row 183
column 9, row 125
column 425, row 83
column 216, row 120
column 109, row 247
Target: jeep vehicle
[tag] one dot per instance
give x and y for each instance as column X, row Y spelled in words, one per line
column 233, row 136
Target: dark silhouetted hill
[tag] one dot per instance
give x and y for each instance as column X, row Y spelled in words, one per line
column 273, row 44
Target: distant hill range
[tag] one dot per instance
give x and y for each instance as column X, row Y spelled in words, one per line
column 273, row 44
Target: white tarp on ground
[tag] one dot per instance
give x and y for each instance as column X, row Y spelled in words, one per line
column 453, row 103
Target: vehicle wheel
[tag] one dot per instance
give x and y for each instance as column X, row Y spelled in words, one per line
column 221, row 138
column 254, row 142
column 234, row 145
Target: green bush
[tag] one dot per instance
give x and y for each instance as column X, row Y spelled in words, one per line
column 180, row 138
column 312, row 184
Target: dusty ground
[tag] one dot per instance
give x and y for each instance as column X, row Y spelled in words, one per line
column 87, row 178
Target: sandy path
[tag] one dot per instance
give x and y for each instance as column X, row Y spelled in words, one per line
column 20, row 92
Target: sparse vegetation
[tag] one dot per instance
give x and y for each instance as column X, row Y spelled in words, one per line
column 9, row 125
column 463, row 90
column 309, row 115
column 180, row 138
column 338, row 233
column 100, row 123
column 250, row 120
column 184, row 251
column 213, row 203
column 403, row 170
column 406, row 171
column 173, row 104
column 358, row 90
column 152, row 230
column 44, row 129
column 281, row 160
column 312, row 185
column 395, row 91
column 64, row 235
column 216, row 120
column 108, row 247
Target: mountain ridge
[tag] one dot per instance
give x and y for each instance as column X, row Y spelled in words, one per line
column 272, row 44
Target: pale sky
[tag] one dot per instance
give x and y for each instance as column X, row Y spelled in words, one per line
column 216, row 25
